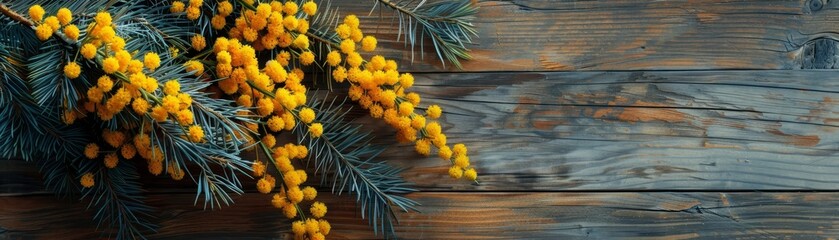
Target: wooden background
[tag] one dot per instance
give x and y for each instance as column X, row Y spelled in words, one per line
column 616, row 119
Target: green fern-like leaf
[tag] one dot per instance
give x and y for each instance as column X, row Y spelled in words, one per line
column 220, row 150
column 448, row 24
column 117, row 200
column 347, row 163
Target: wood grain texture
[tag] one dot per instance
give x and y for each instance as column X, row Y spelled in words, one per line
column 636, row 130
column 578, row 131
column 714, row 215
column 542, row 35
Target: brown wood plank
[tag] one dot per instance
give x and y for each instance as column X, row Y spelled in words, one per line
column 714, row 215
column 542, row 35
column 728, row 130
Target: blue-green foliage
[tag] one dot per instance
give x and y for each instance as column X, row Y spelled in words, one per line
column 34, row 95
column 346, row 160
column 33, row 90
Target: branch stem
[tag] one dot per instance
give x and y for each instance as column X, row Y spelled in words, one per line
column 324, row 40
column 21, row 19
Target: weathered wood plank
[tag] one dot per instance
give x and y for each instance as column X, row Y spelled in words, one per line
column 636, row 130
column 729, row 130
column 540, row 35
column 715, row 215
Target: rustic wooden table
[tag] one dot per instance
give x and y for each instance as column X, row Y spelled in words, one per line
column 587, row 120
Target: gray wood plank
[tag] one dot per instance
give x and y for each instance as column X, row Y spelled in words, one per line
column 636, row 130
column 542, row 35
column 712, row 215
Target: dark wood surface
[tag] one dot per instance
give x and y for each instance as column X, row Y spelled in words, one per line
column 586, row 120
column 498, row 215
column 540, row 35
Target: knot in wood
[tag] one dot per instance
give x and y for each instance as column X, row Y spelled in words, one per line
column 816, row 5
column 820, row 53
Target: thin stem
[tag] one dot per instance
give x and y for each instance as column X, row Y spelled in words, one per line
column 15, row 16
column 324, row 40
column 21, row 19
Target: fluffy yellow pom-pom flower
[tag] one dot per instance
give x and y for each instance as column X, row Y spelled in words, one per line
column 433, row 111
column 196, row 133
column 445, row 153
column 295, row 195
column 290, row 8
column 333, row 58
column 301, row 42
column 265, row 184
column 347, row 46
column 111, row 160
column 290, row 211
column 196, row 3
column 36, row 12
column 87, row 180
column 433, row 129
column 171, row 103
column 113, row 138
column 318, row 209
column 258, row 169
column 88, row 51
column 64, row 16
column 324, row 226
column 309, row 193
column 461, row 161
column 459, row 149
column 140, row 106
column 43, row 32
column 151, row 60
column 72, row 70
column 225, row 8
column 275, row 124
column 307, row 58
column 158, row 113
column 91, row 151
column 298, row 228
column 307, row 115
column 218, row 22
column 171, row 87
column 264, row 106
column 310, row 8
column 455, row 172
column 471, row 174
column 103, row 19
column 198, row 42
column 128, row 151
column 177, row 7
column 423, row 147
column 352, row 21
column 193, row 13
column 110, row 65
column 52, row 21
column 195, row 66
column 368, row 43
column 406, row 108
column 316, row 130
column 339, row 74
column 343, row 31
column 72, row 32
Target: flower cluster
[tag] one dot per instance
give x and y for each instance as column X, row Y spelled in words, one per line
column 250, row 56
column 193, row 10
column 378, row 87
column 125, row 84
column 274, row 93
column 46, row 27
